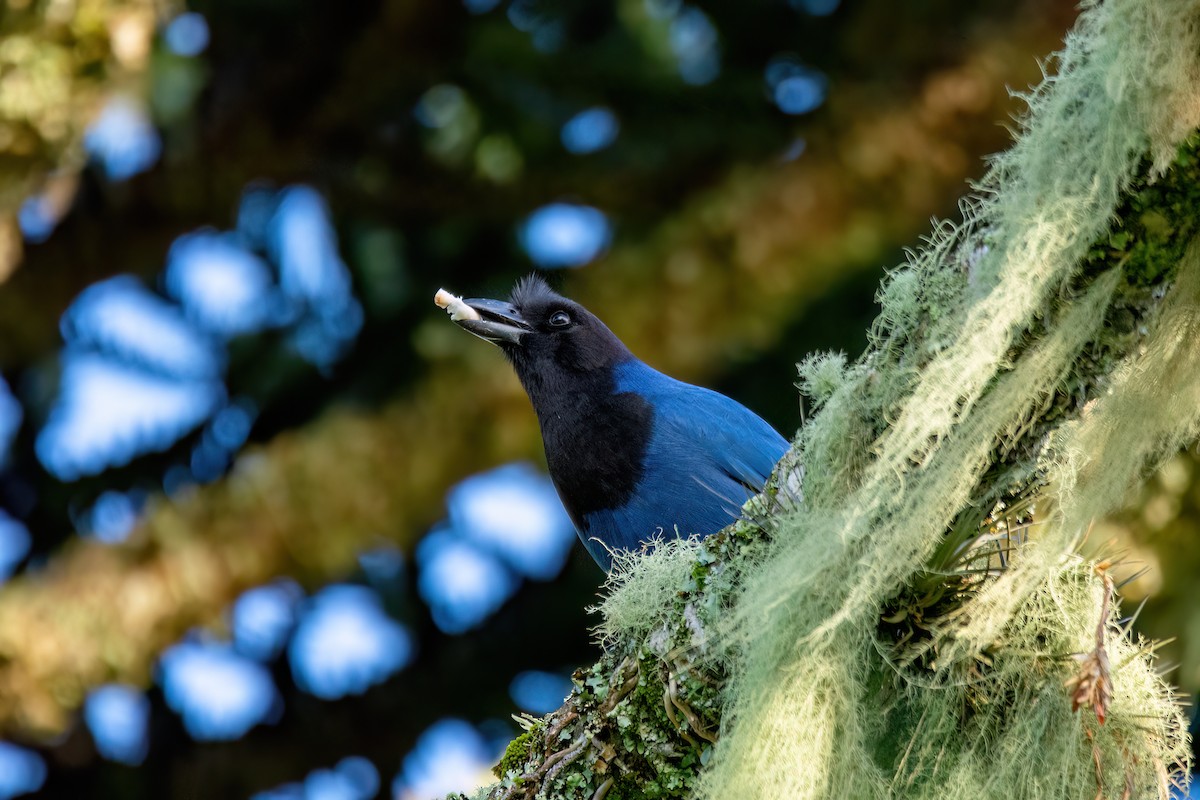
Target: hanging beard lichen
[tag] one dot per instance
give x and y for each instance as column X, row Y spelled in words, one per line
column 918, row 625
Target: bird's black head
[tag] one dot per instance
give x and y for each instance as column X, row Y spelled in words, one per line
column 542, row 332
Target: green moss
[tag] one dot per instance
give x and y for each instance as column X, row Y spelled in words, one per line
column 519, row 750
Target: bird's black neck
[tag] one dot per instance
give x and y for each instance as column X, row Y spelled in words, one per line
column 595, row 436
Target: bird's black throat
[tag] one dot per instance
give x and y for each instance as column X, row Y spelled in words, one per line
column 595, row 437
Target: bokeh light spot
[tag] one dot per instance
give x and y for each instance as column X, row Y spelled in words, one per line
column 301, row 239
column 453, row 120
column 794, row 87
column 254, row 213
column 441, row 106
column 565, row 235
column 354, row 778
column 694, row 42
column 208, row 461
column 187, row 34
column 345, row 643
column 816, row 8
column 450, row 756
column 230, row 427
column 21, row 771
column 590, row 130
column 515, row 512
column 37, row 217
column 218, row 693
column 262, row 619
column 119, row 719
column 107, row 413
column 539, row 692
column 800, row 94
column 127, row 321
column 222, row 286
column 361, row 774
column 112, row 517
column 122, row 140
column 532, row 17
column 15, row 542
column 11, row 415
column 461, row 583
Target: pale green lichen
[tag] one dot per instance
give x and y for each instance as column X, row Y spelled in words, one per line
column 950, row 393
column 821, row 375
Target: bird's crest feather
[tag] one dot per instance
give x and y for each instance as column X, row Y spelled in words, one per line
column 532, row 289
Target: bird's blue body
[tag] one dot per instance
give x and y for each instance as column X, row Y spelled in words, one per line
column 634, row 454
column 706, row 455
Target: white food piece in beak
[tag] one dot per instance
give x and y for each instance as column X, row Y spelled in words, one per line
column 454, row 305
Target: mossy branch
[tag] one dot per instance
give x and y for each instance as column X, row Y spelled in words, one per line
column 1027, row 368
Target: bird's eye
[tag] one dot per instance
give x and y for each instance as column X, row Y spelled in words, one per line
column 560, row 319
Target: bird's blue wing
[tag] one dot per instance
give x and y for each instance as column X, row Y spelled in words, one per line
column 706, row 455
column 687, row 418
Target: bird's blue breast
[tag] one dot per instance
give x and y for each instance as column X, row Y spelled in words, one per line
column 705, row 455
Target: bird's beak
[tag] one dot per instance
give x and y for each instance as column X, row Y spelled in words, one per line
column 499, row 322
